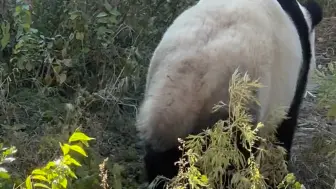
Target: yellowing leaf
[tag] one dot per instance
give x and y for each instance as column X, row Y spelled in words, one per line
column 65, row 148
column 72, row 173
column 41, row 185
column 70, row 161
column 40, row 177
column 78, row 149
column 29, row 183
column 79, row 136
column 50, row 164
column 85, row 143
column 64, row 182
column 204, row 179
column 38, row 172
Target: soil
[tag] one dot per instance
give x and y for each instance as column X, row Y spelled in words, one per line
column 311, row 165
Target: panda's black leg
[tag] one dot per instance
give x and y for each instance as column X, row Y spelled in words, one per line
column 285, row 134
column 161, row 163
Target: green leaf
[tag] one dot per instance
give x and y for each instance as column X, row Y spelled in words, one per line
column 78, row 149
column 28, row 66
column 331, row 67
column 3, row 173
column 64, row 52
column 113, row 20
column 65, row 149
column 107, row 6
column 79, row 136
column 26, row 26
column 29, row 183
column 33, row 30
column 19, row 63
column 5, row 35
column 80, row 36
column 67, row 62
column 104, row 20
column 332, row 111
column 41, row 185
column 102, row 14
column 85, row 50
column 25, row 7
column 62, row 78
column 57, row 68
column 73, row 15
column 9, row 151
column 115, row 12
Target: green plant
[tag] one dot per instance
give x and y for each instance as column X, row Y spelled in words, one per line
column 6, row 157
column 326, row 92
column 54, row 174
column 206, row 167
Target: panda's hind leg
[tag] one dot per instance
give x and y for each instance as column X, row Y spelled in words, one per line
column 161, row 164
column 285, row 134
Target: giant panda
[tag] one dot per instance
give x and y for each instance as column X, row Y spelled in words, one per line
column 191, row 67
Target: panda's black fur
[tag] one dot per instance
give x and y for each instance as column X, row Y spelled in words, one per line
column 158, row 115
column 285, row 133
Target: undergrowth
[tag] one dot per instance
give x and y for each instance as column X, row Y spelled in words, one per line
column 207, row 167
column 55, row 174
column 76, row 63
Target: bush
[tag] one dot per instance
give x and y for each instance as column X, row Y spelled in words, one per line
column 206, row 166
column 55, row 174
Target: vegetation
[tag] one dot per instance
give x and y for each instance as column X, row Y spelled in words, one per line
column 70, row 64
column 223, row 151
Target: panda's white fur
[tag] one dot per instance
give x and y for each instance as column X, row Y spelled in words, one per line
column 191, row 67
column 312, row 46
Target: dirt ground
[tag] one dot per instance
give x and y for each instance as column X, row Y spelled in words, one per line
column 310, row 163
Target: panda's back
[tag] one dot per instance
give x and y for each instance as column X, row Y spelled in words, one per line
column 191, row 67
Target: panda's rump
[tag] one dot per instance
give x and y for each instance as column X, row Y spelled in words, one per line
column 178, row 101
column 190, row 71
